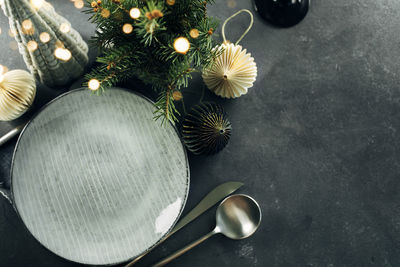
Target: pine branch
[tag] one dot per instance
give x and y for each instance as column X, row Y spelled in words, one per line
column 147, row 51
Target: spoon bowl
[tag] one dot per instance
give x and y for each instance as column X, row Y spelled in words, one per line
column 238, row 217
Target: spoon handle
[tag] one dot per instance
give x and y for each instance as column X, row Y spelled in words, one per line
column 185, row 249
column 8, row 136
column 212, row 198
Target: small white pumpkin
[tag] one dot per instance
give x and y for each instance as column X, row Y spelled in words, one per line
column 232, row 73
column 17, row 92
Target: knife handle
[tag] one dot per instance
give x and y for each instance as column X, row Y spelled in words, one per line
column 212, row 198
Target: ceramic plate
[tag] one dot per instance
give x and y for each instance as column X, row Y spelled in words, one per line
column 96, row 180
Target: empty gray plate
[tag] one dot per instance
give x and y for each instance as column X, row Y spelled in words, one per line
column 96, row 180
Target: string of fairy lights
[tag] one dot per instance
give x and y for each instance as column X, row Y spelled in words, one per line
column 181, row 44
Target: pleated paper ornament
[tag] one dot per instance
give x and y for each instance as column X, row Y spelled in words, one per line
column 17, row 92
column 53, row 51
column 206, row 129
column 234, row 70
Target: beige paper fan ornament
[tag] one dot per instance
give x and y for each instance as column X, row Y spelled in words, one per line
column 234, row 70
column 232, row 73
column 17, row 92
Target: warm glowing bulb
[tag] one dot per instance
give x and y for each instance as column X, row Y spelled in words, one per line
column 105, row 13
column 62, row 54
column 37, row 3
column 194, row 33
column 181, row 45
column 64, row 27
column 94, row 84
column 127, row 28
column 79, row 4
column 27, row 24
column 27, row 27
column 134, row 13
column 44, row 37
column 32, row 46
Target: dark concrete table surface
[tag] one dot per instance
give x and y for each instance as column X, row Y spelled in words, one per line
column 316, row 141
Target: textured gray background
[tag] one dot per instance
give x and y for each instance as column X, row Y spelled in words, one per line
column 316, row 142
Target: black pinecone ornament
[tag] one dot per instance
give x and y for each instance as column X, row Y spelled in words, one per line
column 206, row 129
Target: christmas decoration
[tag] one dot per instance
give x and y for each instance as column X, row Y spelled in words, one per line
column 17, row 92
column 161, row 42
column 283, row 13
column 233, row 73
column 234, row 70
column 53, row 51
column 94, row 84
column 181, row 45
column 206, row 129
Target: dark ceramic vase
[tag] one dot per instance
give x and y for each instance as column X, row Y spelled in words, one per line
column 282, row 13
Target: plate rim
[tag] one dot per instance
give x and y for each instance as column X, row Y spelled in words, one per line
column 36, row 114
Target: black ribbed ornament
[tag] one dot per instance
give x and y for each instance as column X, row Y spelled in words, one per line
column 206, row 129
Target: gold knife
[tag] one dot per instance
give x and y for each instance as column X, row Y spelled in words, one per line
column 212, row 198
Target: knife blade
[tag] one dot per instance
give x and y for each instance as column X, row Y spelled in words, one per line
column 211, row 199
